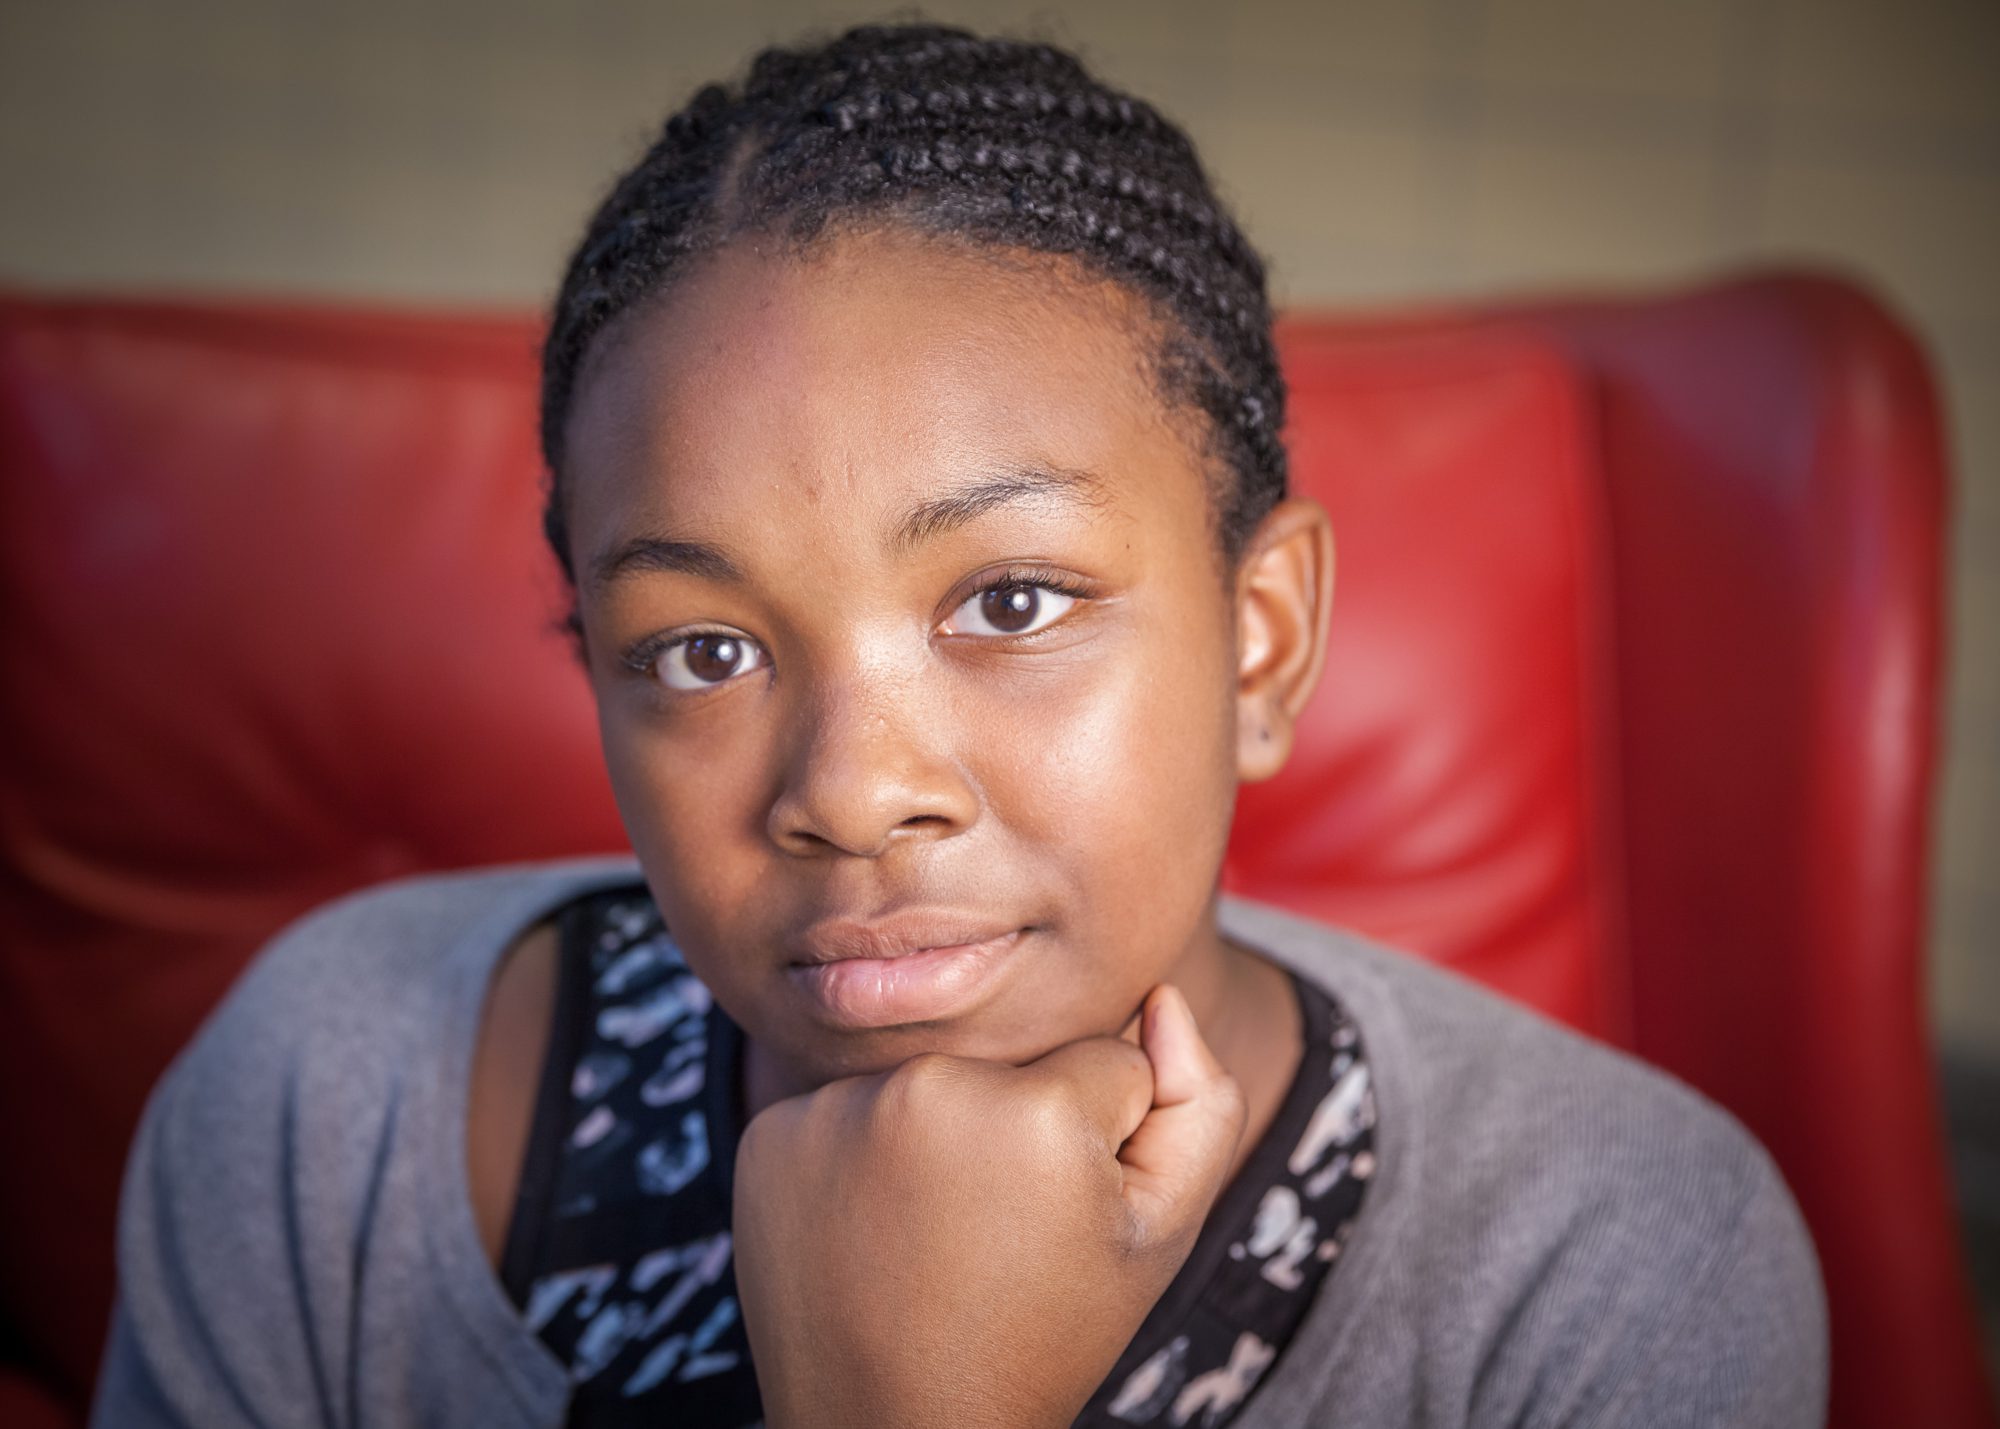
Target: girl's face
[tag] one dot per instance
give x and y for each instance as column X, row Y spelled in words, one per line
column 907, row 630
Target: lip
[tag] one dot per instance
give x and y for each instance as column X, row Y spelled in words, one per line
column 913, row 967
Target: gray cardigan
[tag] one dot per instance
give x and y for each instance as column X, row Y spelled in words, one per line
column 1555, row 1235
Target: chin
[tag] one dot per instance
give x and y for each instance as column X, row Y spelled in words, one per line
column 858, row 1054
column 1005, row 1036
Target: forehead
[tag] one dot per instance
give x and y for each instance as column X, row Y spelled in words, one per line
column 864, row 371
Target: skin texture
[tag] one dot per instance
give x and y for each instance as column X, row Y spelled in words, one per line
column 1038, row 1214
column 513, row 1042
column 875, row 742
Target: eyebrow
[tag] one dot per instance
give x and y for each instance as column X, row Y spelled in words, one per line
column 932, row 518
column 659, row 553
column 925, row 521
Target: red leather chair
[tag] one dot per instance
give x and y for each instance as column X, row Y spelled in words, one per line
column 1629, row 712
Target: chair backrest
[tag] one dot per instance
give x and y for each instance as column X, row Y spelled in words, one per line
column 1628, row 712
column 1745, row 737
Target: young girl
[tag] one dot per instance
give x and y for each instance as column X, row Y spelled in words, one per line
column 913, row 423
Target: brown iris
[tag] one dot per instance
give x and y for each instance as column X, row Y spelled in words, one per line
column 1011, row 608
column 713, row 657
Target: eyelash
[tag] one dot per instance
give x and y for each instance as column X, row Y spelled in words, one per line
column 641, row 658
column 1036, row 578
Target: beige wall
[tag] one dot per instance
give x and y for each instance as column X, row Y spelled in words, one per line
column 1379, row 149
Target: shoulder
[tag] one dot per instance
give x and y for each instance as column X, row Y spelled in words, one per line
column 332, row 1012
column 1575, row 1222
column 311, row 1129
column 1508, row 1091
column 383, row 967
column 401, row 935
column 1492, row 1097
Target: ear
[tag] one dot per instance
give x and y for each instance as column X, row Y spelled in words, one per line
column 1284, row 591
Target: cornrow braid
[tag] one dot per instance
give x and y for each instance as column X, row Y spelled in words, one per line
column 1003, row 142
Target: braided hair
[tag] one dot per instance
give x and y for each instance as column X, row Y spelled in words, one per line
column 1000, row 142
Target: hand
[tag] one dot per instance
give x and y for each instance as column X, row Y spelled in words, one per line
column 961, row 1242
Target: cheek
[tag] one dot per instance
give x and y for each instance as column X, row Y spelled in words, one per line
column 688, row 799
column 1120, row 776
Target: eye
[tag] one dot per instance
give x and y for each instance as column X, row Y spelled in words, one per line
column 700, row 662
column 1012, row 607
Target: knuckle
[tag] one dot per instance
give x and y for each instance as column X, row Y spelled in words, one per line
column 765, row 1136
column 921, row 1083
column 925, row 1104
column 925, row 1072
column 1045, row 1108
column 1051, row 1122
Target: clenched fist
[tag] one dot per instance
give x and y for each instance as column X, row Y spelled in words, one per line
column 961, row 1242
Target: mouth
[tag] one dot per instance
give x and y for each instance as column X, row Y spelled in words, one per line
column 911, row 968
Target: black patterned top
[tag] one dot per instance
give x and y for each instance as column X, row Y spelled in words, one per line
column 619, row 1249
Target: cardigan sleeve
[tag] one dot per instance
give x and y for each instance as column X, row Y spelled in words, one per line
column 1746, row 1342
column 214, row 1324
column 296, row 1246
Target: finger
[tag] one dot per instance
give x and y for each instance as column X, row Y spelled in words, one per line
column 1130, row 1031
column 1176, row 1158
column 1184, row 1067
column 1109, row 1080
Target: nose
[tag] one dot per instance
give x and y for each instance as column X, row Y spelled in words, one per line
column 871, row 765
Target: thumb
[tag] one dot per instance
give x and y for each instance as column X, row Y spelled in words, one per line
column 1176, row 1161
